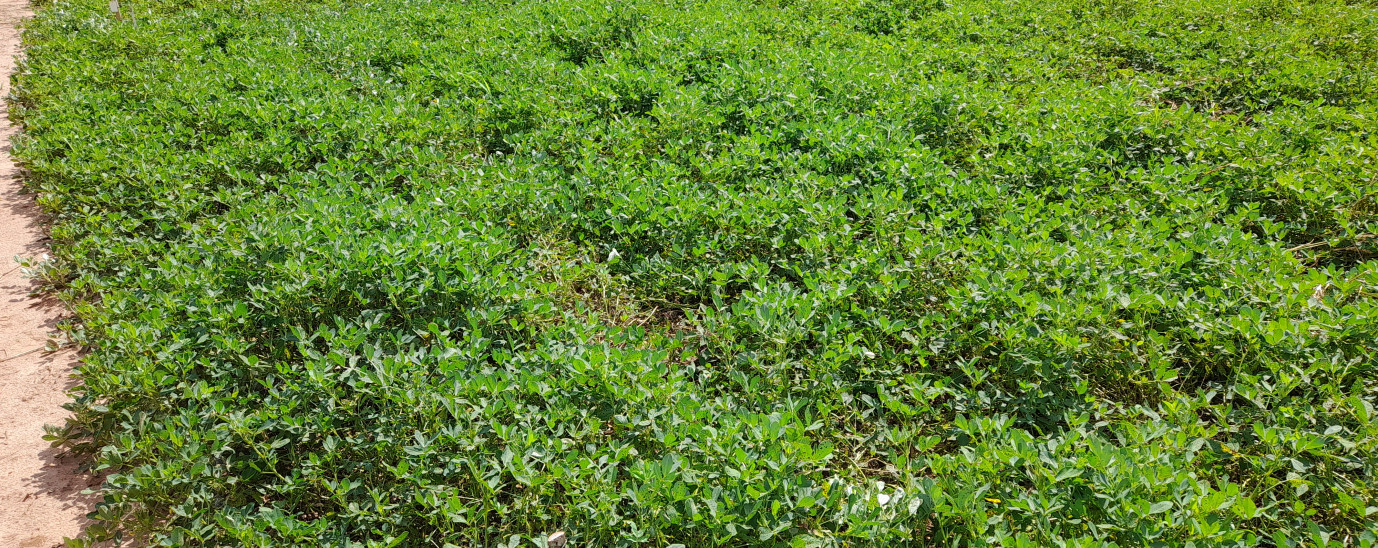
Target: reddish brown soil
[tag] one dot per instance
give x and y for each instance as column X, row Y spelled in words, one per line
column 40, row 491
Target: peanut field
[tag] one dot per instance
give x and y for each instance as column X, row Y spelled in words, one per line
column 692, row 273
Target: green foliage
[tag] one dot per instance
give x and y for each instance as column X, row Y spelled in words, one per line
column 711, row 273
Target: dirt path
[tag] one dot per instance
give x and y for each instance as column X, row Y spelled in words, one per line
column 40, row 494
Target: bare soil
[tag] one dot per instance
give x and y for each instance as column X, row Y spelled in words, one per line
column 41, row 499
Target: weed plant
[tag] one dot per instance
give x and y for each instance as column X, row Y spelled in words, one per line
column 716, row 273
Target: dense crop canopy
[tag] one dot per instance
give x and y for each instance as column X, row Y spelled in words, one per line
column 717, row 272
